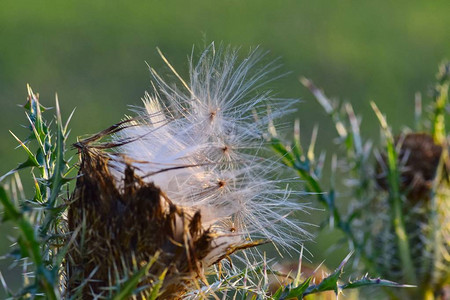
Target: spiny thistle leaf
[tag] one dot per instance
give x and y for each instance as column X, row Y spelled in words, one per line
column 297, row 291
column 330, row 283
column 59, row 163
column 31, row 161
column 45, row 251
column 366, row 281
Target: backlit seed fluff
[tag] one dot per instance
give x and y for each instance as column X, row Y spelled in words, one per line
column 203, row 144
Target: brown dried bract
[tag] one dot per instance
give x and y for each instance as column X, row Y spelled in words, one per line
column 418, row 160
column 121, row 225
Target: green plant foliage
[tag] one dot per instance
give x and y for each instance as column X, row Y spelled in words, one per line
column 330, row 283
column 43, row 237
column 35, row 217
column 397, row 222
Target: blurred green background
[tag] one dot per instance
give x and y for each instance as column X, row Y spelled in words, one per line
column 93, row 54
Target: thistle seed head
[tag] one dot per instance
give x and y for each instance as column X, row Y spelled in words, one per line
column 187, row 178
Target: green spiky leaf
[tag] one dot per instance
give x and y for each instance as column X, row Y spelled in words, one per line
column 157, row 287
column 366, row 281
column 128, row 288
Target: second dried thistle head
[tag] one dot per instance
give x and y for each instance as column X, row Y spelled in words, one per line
column 418, row 160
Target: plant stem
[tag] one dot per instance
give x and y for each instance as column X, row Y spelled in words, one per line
column 428, row 294
column 396, row 202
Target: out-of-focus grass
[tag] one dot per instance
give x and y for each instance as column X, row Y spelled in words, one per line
column 93, row 53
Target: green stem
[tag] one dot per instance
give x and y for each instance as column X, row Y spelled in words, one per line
column 438, row 130
column 397, row 217
column 402, row 240
column 428, row 294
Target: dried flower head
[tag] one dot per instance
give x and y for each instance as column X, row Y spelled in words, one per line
column 418, row 159
column 399, row 218
column 187, row 178
column 423, row 182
